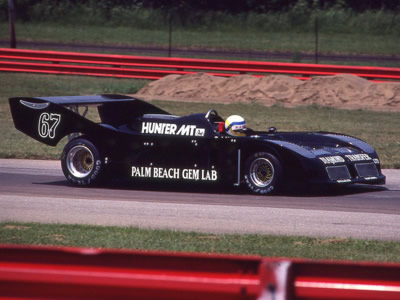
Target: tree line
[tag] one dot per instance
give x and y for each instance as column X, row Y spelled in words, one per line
column 263, row 6
column 225, row 6
column 377, row 16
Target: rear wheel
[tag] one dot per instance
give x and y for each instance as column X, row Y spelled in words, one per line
column 263, row 173
column 81, row 163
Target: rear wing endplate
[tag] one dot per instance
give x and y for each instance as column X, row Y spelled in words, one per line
column 49, row 119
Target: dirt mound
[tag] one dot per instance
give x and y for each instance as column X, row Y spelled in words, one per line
column 340, row 91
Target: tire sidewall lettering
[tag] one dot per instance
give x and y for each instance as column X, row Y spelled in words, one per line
column 97, row 172
column 258, row 190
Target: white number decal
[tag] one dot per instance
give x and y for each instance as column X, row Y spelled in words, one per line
column 48, row 124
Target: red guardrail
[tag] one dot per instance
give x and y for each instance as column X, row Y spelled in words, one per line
column 71, row 273
column 52, row 62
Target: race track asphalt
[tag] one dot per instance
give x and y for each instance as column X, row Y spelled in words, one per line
column 36, row 191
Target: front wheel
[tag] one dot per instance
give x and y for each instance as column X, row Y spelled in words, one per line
column 81, row 163
column 263, row 173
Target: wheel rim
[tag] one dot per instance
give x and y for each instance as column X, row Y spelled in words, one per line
column 80, row 161
column 262, row 172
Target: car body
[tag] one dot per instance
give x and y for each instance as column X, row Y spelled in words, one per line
column 138, row 141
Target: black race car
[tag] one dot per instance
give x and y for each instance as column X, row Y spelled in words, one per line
column 138, row 141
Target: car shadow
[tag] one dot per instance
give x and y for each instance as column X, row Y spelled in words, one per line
column 331, row 190
column 289, row 191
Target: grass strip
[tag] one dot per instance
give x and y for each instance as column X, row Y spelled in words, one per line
column 380, row 129
column 293, row 41
column 176, row 241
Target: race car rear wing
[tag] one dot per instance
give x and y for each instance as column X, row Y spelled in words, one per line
column 49, row 119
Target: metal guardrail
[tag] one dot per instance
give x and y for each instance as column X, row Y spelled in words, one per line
column 33, row 272
column 124, row 66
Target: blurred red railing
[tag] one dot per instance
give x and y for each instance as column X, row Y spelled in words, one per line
column 52, row 62
column 72, row 273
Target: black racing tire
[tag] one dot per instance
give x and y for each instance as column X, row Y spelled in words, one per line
column 82, row 163
column 263, row 173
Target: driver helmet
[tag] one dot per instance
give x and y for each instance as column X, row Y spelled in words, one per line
column 235, row 125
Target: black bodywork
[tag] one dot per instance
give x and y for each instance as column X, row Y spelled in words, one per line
column 139, row 141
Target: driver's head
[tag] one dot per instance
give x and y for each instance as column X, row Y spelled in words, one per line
column 235, row 125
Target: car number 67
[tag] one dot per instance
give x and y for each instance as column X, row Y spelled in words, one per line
column 48, row 124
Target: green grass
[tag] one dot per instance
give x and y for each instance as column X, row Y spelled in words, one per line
column 166, row 240
column 380, row 129
column 292, row 41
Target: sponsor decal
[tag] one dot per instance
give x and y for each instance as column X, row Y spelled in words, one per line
column 358, row 157
column 332, row 159
column 343, row 181
column 174, row 173
column 34, row 105
column 48, row 124
column 171, row 129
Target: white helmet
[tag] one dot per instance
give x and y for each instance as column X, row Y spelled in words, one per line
column 235, row 125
